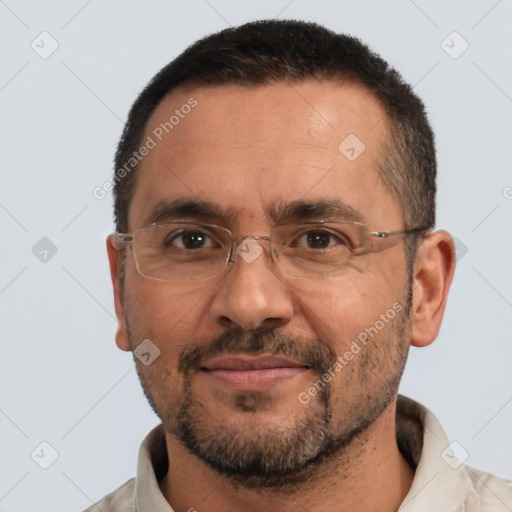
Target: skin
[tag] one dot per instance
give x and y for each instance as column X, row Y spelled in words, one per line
column 248, row 149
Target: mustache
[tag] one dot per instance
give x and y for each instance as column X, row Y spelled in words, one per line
column 262, row 340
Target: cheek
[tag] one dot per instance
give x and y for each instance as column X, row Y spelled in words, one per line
column 339, row 311
column 169, row 314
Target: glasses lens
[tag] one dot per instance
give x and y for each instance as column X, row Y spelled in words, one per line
column 318, row 250
column 181, row 252
column 193, row 252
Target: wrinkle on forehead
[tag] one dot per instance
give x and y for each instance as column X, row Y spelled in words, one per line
column 248, row 148
column 254, row 114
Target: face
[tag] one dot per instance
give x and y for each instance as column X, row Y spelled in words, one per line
column 261, row 373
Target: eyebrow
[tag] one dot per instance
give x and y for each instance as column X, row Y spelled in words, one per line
column 297, row 211
column 165, row 211
column 282, row 213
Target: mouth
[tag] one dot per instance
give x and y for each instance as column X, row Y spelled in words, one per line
column 252, row 372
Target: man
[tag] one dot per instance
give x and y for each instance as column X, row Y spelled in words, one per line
column 274, row 259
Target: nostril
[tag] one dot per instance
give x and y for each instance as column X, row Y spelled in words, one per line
column 227, row 322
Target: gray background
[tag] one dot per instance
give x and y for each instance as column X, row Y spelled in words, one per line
column 63, row 380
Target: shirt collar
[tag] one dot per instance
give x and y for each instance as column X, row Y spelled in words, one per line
column 441, row 482
column 152, row 465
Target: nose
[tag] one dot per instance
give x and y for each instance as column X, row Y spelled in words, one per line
column 252, row 293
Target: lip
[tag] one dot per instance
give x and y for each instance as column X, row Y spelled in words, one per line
column 252, row 372
column 247, row 362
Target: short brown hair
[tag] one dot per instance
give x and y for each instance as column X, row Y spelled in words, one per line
column 265, row 52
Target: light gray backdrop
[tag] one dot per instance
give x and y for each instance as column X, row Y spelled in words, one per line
column 63, row 381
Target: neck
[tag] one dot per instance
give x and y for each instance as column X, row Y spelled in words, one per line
column 370, row 474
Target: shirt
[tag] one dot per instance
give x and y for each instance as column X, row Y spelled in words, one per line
column 441, row 482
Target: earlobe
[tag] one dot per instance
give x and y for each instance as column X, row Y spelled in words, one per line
column 433, row 275
column 122, row 336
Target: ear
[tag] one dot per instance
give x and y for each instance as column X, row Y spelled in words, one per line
column 114, row 253
column 433, row 274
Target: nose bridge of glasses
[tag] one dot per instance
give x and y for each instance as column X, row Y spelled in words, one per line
column 249, row 247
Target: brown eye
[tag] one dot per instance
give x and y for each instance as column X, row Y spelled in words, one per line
column 319, row 239
column 190, row 239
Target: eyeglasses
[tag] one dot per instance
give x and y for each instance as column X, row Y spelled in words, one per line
column 183, row 251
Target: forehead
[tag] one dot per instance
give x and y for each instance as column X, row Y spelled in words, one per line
column 251, row 149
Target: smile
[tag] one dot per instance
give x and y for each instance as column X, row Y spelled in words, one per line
column 252, row 373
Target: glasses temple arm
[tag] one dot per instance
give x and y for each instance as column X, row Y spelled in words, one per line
column 124, row 237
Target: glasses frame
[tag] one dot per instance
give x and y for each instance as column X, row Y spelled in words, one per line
column 126, row 238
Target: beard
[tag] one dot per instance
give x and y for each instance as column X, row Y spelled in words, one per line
column 252, row 454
